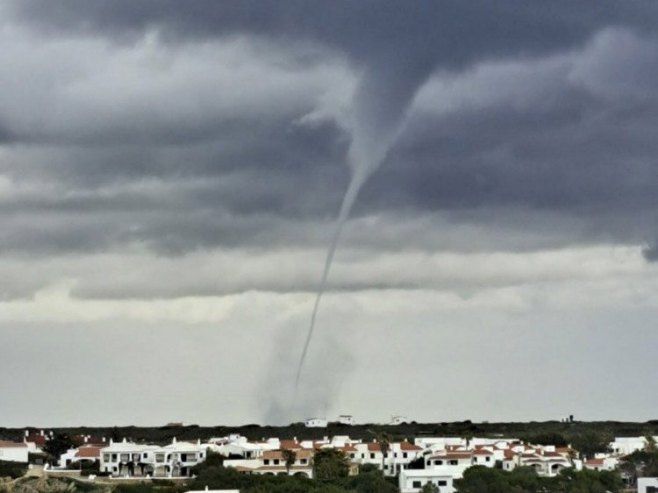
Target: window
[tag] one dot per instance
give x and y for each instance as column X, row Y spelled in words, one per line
column 442, row 482
column 266, row 462
column 404, row 455
column 114, row 457
column 303, row 461
column 352, row 456
column 125, row 457
column 416, row 484
column 106, row 457
column 372, row 456
column 276, row 462
column 159, row 457
column 453, row 462
column 438, row 463
column 487, row 458
column 183, row 457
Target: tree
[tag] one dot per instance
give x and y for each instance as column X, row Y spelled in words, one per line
column 58, row 445
column 430, row 488
column 289, row 457
column 330, row 464
column 385, row 446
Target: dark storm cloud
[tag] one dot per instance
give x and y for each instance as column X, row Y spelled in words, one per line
column 220, row 134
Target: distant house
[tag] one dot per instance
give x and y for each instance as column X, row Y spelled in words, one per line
column 399, row 420
column 600, row 463
column 394, row 459
column 13, row 451
column 627, row 445
column 173, row 460
column 75, row 456
column 346, row 419
column 273, row 462
column 316, row 423
column 413, row 480
column 647, row 485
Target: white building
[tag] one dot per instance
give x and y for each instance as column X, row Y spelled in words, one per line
column 600, row 463
column 449, row 463
column 316, row 423
column 647, row 485
column 399, row 420
column 85, row 453
column 413, row 480
column 131, row 459
column 13, row 451
column 393, row 460
column 628, row 445
column 273, row 462
column 346, row 419
column 545, row 463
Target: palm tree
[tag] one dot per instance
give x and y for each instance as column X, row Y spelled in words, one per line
column 384, row 441
column 289, row 457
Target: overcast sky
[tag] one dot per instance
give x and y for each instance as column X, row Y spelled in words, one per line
column 170, row 174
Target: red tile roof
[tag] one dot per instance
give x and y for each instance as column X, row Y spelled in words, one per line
column 8, row 444
column 88, row 451
column 409, row 446
column 36, row 439
column 289, row 444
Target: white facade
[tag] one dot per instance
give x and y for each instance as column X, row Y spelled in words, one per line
column 548, row 464
column 131, row 459
column 399, row 454
column 399, row 420
column 647, row 485
column 13, row 451
column 628, row 445
column 346, row 419
column 316, row 423
column 273, row 462
column 413, row 480
column 451, row 464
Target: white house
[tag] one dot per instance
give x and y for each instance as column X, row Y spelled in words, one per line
column 346, row 419
column 647, row 485
column 84, row 453
column 398, row 455
column 131, row 459
column 13, row 451
column 399, row 420
column 449, row 463
column 273, row 462
column 316, row 423
column 628, row 445
column 600, row 463
column 545, row 463
column 413, row 480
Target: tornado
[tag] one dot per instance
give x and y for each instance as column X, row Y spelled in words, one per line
column 381, row 103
